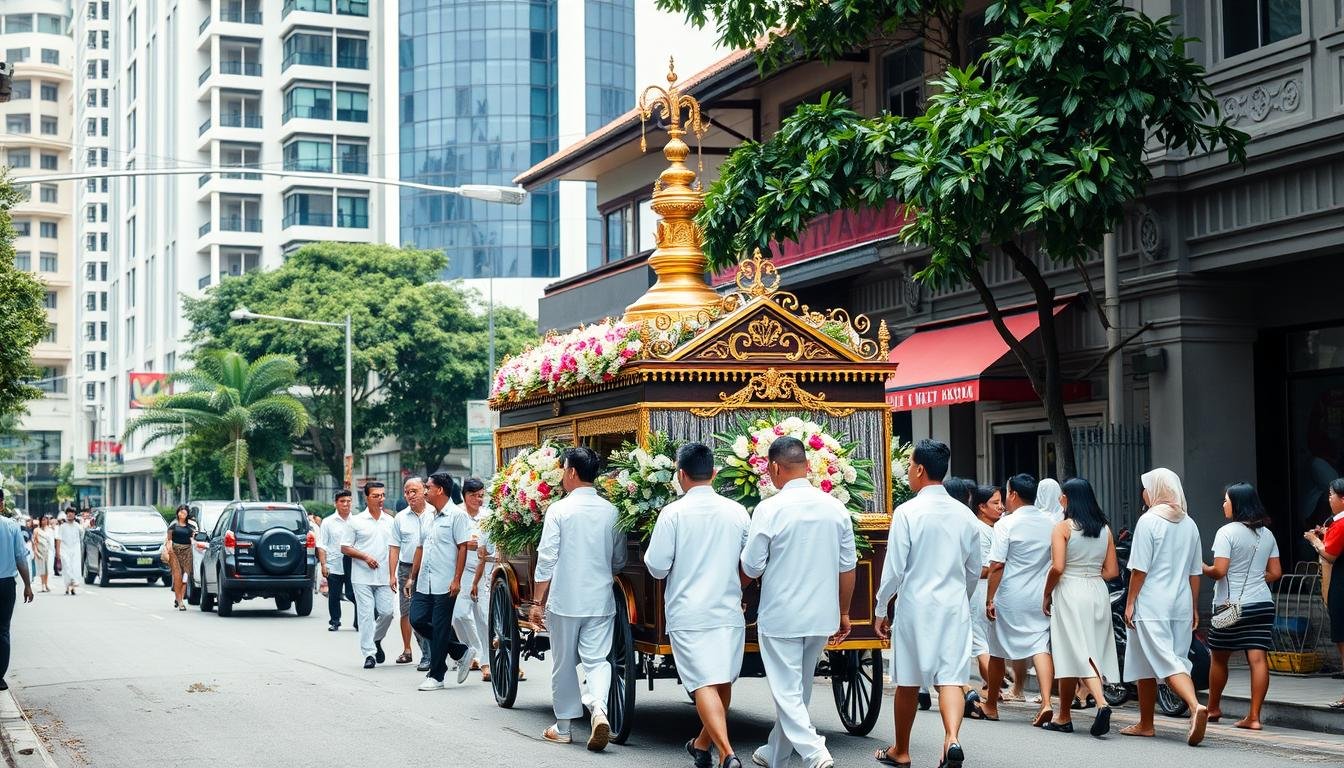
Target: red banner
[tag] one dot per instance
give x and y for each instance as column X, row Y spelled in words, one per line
column 934, row 397
column 146, row 387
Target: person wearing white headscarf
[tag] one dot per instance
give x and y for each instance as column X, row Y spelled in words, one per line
column 1165, row 563
column 1048, row 493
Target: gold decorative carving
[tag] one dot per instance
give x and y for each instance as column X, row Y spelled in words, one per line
column 766, row 337
column 517, row 437
column 883, row 340
column 772, row 385
column 618, row 423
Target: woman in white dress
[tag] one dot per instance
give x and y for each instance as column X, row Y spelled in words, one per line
column 1049, row 499
column 1082, row 642
column 1166, row 561
column 70, row 543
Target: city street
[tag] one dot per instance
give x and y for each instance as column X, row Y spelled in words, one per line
column 115, row 677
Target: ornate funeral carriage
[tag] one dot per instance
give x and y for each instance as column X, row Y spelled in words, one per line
column 702, row 363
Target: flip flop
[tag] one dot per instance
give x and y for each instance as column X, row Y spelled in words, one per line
column 1042, row 717
column 1199, row 721
column 883, row 756
column 404, row 658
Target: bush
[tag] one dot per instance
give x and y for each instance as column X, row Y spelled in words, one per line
column 319, row 508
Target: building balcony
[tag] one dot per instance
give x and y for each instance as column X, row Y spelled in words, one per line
column 308, row 166
column 352, row 220
column 203, row 230
column 205, row 75
column 307, row 113
column 204, row 127
column 240, row 121
column 315, row 6
column 307, row 59
column 352, row 62
column 239, row 224
column 240, row 67
column 306, row 220
column 355, row 167
column 239, row 16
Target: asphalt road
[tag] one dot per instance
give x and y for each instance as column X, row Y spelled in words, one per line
column 115, row 677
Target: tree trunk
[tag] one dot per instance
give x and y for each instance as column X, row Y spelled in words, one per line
column 252, row 481
column 237, row 490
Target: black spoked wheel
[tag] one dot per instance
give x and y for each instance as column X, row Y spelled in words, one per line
column 856, row 682
column 1115, row 691
column 504, row 644
column 1169, row 704
column 621, row 699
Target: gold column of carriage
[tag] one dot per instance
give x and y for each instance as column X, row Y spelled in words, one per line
column 754, row 350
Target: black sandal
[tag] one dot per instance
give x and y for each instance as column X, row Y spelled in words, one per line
column 883, row 756
column 1102, row 725
column 1058, row 727
column 972, row 698
column 954, row 758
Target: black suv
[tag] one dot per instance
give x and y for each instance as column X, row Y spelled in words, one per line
column 124, row 543
column 259, row 549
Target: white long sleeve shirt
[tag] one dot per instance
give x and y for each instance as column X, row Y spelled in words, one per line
column 799, row 542
column 580, row 549
column 696, row 545
column 933, row 554
column 1022, row 544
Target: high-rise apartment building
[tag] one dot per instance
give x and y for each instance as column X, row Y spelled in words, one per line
column 263, row 87
column 38, row 126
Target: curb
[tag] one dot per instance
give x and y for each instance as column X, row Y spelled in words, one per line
column 19, row 742
column 1305, row 717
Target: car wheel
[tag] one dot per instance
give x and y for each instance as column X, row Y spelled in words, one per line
column 150, row 581
column 207, row 599
column 103, row 578
column 225, row 607
column 303, row 604
column 193, row 591
column 167, row 580
column 283, row 603
column 88, row 575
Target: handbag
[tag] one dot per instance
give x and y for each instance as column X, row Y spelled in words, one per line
column 164, row 554
column 1229, row 613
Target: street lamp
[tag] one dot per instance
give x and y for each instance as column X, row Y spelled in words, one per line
column 243, row 313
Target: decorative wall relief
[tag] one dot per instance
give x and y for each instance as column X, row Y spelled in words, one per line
column 1258, row 102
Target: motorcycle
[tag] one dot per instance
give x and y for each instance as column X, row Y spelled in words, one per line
column 1118, row 692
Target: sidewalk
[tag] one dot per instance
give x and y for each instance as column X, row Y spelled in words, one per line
column 19, row 743
column 1294, row 701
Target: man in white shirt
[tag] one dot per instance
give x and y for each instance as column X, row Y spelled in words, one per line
column 696, row 545
column 470, row 613
column 1019, row 560
column 580, row 549
column 329, row 536
column 407, row 526
column 933, row 556
column 367, row 541
column 801, row 546
column 436, row 579
column 70, row 550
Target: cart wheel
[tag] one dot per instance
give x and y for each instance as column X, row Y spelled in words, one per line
column 856, row 681
column 503, row 644
column 621, row 700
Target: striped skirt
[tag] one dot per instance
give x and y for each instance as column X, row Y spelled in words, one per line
column 1254, row 632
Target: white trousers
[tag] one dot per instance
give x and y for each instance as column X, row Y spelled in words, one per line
column 373, row 606
column 790, row 666
column 579, row 640
column 471, row 621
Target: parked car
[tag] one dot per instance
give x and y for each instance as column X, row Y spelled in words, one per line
column 124, row 543
column 205, row 515
column 259, row 549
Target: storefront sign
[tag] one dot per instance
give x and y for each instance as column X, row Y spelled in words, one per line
column 935, row 396
column 481, row 423
column 147, row 387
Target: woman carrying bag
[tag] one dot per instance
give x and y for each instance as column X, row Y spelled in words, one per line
column 1245, row 563
column 177, row 553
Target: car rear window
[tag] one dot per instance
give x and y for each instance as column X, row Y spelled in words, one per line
column 261, row 520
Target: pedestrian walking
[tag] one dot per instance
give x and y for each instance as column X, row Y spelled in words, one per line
column 1245, row 563
column 436, row 578
column 580, row 549
column 178, row 547
column 333, row 563
column 409, row 522
column 696, row 546
column 1329, row 545
column 367, row 540
column 801, row 546
column 471, row 620
column 1019, row 561
column 44, row 546
column 1082, row 641
column 988, row 509
column 1162, row 609
column 69, row 550
column 13, row 562
column 933, row 558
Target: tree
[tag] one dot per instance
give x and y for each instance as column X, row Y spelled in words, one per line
column 204, row 476
column 1040, row 144
column 240, row 411
column 419, row 345
column 23, row 320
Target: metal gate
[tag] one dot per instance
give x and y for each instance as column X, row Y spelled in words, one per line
column 1112, row 457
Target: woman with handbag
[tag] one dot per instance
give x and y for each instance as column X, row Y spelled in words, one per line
column 178, row 555
column 1245, row 563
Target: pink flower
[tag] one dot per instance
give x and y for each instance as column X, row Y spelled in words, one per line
column 779, row 430
column 627, row 353
column 816, row 442
column 607, row 377
column 827, row 485
column 544, row 489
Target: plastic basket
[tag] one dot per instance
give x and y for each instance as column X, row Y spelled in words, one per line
column 1294, row 663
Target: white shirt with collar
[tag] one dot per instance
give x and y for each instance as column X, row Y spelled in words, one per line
column 696, row 545
column 408, row 529
column 800, row 541
column 933, row 554
column 373, row 538
column 580, row 549
column 443, row 531
column 329, row 537
column 1022, row 544
column 484, row 548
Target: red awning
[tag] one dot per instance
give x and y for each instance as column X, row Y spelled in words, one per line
column 944, row 365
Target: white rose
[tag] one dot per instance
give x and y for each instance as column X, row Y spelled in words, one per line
column 741, row 447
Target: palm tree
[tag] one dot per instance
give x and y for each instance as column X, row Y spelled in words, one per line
column 231, row 405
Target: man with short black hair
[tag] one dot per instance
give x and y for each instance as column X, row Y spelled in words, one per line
column 334, row 564
column 801, row 546
column 436, row 579
column 696, row 546
column 368, row 540
column 580, row 549
column 1019, row 560
column 408, row 525
column 933, row 558
column 13, row 561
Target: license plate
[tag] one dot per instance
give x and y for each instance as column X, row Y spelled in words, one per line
column 144, row 560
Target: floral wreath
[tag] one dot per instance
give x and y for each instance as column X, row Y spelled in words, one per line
column 520, row 493
column 639, row 483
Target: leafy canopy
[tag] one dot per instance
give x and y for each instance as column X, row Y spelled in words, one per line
column 23, row 320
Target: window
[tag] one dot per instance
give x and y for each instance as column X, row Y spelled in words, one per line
column 107, row 39
column 102, row 331
column 91, row 213
column 50, row 336
column 20, row 90
column 23, row 228
column 49, row 300
column 302, row 48
column 903, row 80
column 50, row 127
column 1250, row 24
column 49, row 91
column 90, row 331
column 50, row 56
column 352, row 211
column 93, row 9
column 93, row 70
column 16, row 55
column 102, row 301
column 48, row 193
column 307, row 102
column 91, row 126
column 50, row 162
column 132, row 82
column 20, row 158
column 130, row 129
column 18, row 124
column 352, row 53
column 47, row 229
column 90, row 301
column 93, row 40
column 130, row 334
column 23, row 260
column 619, row 233
column 352, row 106
column 354, row 157
column 18, row 22
column 308, row 155
column 50, row 24
column 51, row 380
column 353, row 7
column 46, row 262
column 90, row 362
column 90, row 391
column 130, row 288
column 307, row 209
column 130, row 29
